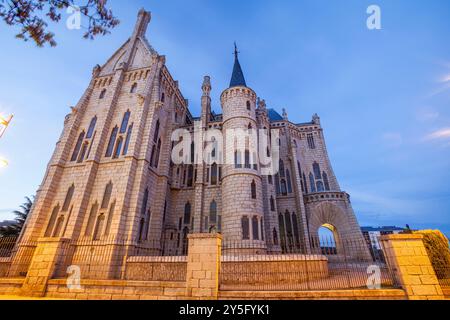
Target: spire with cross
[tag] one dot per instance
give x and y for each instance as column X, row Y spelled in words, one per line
column 237, row 78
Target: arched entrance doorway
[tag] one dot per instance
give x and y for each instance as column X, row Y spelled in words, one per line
column 335, row 232
column 328, row 238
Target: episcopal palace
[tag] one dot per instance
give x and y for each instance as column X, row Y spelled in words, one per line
column 112, row 172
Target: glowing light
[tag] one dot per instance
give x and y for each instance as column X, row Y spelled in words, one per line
column 3, row 163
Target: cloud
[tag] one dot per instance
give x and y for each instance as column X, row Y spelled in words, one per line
column 393, row 139
column 426, row 114
column 441, row 134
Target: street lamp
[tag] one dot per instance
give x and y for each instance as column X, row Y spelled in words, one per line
column 4, row 123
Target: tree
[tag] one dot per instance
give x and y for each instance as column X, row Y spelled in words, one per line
column 32, row 16
column 21, row 216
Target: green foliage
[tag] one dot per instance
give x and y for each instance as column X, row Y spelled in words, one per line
column 32, row 17
column 437, row 246
column 21, row 216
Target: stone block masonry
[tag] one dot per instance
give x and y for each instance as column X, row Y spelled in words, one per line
column 202, row 278
column 407, row 257
column 48, row 253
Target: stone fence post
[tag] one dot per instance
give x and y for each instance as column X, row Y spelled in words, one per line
column 48, row 253
column 203, row 266
column 408, row 259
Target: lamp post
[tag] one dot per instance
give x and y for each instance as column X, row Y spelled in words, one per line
column 4, row 123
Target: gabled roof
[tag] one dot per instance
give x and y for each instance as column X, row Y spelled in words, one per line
column 274, row 115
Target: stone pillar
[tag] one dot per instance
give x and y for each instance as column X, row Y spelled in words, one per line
column 48, row 253
column 202, row 280
column 407, row 258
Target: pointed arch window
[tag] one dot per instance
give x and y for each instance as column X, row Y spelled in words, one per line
column 112, row 140
column 102, row 94
column 311, row 142
column 144, row 203
column 272, row 204
column 192, row 152
column 316, row 169
column 152, row 157
column 107, row 195
column 185, row 240
column 90, row 145
column 295, row 225
column 91, row 128
column 275, row 236
column 83, row 152
column 255, row 228
column 277, row 184
column 261, row 224
column 52, row 221
column 214, row 174
column 58, row 227
column 282, row 231
column 118, row 148
column 190, row 179
column 304, row 183
column 110, row 218
column 187, row 214
column 99, row 227
column 147, row 224
column 282, row 173
column 237, row 160
column 299, row 167
column 158, row 152
column 312, row 183
column 76, row 151
column 247, row 159
column 68, row 199
column 289, row 231
column 156, row 134
column 133, row 88
column 127, row 140
column 124, row 125
column 91, row 220
column 245, row 228
column 283, row 187
column 213, row 213
column 141, row 229
column 325, row 181
column 289, row 183
column 253, row 189
column 320, row 186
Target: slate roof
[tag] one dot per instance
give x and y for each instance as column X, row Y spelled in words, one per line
column 237, row 78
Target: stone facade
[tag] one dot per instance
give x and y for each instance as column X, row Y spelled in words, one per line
column 111, row 173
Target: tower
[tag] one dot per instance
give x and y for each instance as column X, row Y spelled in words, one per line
column 242, row 194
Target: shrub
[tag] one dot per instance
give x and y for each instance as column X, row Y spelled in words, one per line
column 437, row 246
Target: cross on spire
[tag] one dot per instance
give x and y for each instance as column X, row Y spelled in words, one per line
column 236, row 52
column 237, row 78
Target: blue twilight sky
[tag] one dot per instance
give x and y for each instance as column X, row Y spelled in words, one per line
column 383, row 95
